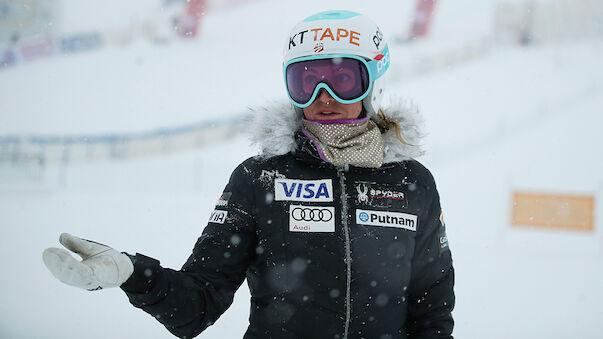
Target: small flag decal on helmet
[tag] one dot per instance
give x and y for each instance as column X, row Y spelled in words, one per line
column 319, row 48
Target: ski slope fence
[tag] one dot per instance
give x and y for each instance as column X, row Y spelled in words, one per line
column 34, row 29
column 37, row 150
column 30, row 30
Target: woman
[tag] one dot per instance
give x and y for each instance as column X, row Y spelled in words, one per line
column 336, row 228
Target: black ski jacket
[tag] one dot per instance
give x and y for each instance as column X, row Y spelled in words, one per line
column 328, row 252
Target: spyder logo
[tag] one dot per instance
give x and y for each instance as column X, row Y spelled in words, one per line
column 362, row 190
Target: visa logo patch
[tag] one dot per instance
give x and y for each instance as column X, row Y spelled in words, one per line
column 387, row 219
column 303, row 190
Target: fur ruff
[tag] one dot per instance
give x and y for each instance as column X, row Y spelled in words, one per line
column 273, row 130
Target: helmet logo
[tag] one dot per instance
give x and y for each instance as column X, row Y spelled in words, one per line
column 301, row 38
column 382, row 62
column 319, row 47
column 320, row 34
column 377, row 38
column 354, row 37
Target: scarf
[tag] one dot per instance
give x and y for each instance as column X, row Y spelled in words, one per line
column 356, row 142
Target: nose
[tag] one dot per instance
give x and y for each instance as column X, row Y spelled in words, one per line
column 324, row 96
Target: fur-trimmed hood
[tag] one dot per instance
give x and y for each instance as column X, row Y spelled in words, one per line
column 273, row 130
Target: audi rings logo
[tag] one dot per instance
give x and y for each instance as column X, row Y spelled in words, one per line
column 311, row 214
column 313, row 219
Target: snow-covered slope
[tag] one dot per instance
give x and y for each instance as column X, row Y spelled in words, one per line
column 511, row 119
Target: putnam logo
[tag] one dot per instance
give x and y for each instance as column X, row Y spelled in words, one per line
column 387, row 219
column 303, row 190
column 218, row 216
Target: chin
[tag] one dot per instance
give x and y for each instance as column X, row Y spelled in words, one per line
column 327, row 117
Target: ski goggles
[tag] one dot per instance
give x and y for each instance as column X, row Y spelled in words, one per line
column 348, row 78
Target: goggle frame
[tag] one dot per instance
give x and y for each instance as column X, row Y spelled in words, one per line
column 372, row 67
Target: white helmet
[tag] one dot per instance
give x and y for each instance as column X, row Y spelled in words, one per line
column 340, row 34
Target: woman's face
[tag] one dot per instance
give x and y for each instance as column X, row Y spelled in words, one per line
column 327, row 108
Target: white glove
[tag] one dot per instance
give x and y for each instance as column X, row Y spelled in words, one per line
column 101, row 267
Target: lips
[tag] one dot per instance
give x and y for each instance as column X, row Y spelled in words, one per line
column 319, row 110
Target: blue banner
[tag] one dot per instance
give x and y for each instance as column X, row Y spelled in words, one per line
column 80, row 42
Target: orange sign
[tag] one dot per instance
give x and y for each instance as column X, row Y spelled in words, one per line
column 571, row 212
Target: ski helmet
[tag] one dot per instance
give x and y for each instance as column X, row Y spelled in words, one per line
column 337, row 35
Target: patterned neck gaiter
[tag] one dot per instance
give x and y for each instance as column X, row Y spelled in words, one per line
column 356, row 142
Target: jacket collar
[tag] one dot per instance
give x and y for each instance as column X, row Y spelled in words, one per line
column 274, row 130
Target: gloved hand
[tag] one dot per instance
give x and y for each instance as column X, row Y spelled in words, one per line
column 101, row 265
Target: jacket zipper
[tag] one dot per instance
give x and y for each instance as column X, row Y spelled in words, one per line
column 348, row 250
